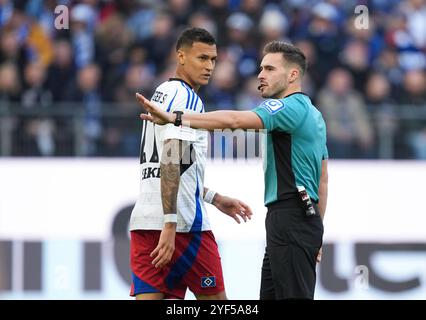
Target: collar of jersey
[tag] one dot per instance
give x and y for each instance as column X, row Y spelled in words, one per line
column 297, row 92
column 181, row 80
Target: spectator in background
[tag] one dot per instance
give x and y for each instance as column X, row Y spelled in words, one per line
column 39, row 46
column 36, row 132
column 161, row 41
column 312, row 79
column 201, row 20
column 415, row 11
column 121, row 134
column 370, row 37
column 273, row 25
column 86, row 92
column 30, row 37
column 249, row 96
column 381, row 106
column 387, row 64
column 139, row 16
column 220, row 93
column 11, row 49
column 414, row 95
column 399, row 37
column 324, row 33
column 181, row 11
column 137, row 77
column 6, row 12
column 60, row 77
column 44, row 13
column 219, row 12
column 349, row 130
column 253, row 9
column 61, row 71
column 10, row 87
column 113, row 40
column 83, row 18
column 355, row 59
column 414, row 88
column 241, row 44
column 35, row 95
column 299, row 18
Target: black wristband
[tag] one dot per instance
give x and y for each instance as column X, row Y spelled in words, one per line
column 178, row 120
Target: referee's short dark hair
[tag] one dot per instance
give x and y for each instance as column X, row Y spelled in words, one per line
column 291, row 53
column 191, row 35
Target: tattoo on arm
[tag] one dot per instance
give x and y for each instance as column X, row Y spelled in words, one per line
column 170, row 174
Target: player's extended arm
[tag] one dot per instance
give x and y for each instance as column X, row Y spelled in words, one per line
column 170, row 178
column 323, row 189
column 230, row 206
column 209, row 120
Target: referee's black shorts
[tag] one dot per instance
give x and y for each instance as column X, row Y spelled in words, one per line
column 293, row 240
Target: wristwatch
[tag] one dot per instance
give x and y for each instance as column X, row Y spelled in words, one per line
column 178, row 120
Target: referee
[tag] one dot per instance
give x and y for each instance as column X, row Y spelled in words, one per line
column 295, row 169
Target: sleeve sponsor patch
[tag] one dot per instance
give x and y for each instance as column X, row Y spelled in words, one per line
column 273, row 105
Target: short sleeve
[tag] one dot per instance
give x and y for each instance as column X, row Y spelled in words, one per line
column 176, row 99
column 170, row 98
column 281, row 115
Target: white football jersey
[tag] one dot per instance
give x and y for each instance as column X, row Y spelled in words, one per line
column 172, row 95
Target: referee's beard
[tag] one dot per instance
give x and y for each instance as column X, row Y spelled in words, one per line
column 276, row 95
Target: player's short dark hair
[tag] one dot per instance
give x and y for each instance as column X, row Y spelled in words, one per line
column 191, row 35
column 291, row 53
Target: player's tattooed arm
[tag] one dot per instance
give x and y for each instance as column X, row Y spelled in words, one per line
column 170, row 174
column 170, row 178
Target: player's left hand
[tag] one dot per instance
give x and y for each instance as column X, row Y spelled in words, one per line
column 155, row 114
column 234, row 208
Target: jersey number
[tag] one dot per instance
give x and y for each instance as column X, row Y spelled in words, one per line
column 154, row 156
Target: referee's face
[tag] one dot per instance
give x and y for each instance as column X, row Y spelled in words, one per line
column 272, row 76
column 197, row 63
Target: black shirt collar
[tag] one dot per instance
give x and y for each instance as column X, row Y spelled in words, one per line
column 297, row 92
column 181, row 80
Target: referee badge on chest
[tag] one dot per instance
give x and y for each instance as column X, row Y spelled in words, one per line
column 273, row 105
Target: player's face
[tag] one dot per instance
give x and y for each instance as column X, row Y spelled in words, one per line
column 273, row 76
column 199, row 62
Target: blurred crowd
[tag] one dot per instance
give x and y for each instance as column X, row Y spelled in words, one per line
column 369, row 83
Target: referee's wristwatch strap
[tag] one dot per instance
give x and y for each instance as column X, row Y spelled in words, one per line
column 178, row 119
